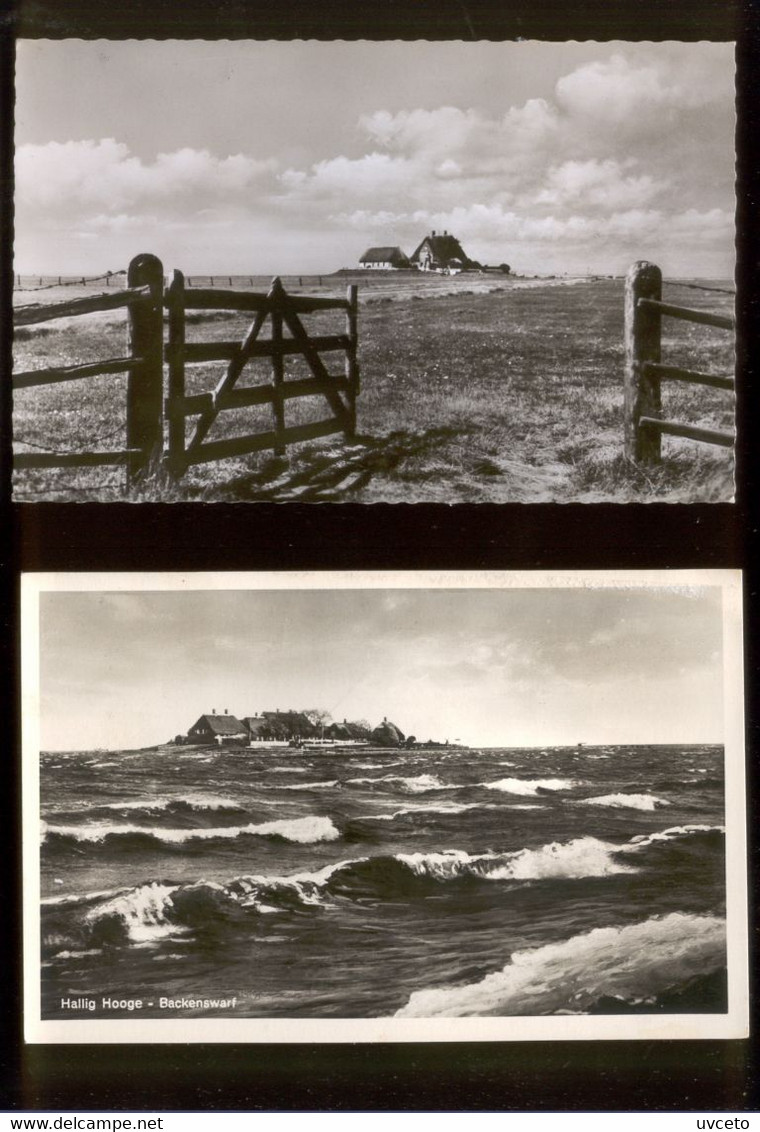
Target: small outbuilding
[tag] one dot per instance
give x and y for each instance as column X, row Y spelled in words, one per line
column 384, row 259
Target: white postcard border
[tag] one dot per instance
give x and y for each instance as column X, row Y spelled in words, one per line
column 733, row 1024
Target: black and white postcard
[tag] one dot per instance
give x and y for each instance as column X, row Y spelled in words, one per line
column 374, row 272
column 383, row 806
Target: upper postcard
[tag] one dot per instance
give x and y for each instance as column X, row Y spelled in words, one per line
column 374, row 272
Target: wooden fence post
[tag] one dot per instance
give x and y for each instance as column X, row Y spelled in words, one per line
column 352, row 365
column 276, row 295
column 145, row 392
column 642, row 344
column 175, row 356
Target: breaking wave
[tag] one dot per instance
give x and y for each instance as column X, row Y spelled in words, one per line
column 626, row 801
column 303, row 830
column 634, row 963
column 198, row 803
column 419, row 784
column 431, row 808
column 582, row 857
column 530, row 786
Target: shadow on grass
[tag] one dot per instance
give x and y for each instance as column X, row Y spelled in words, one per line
column 332, row 473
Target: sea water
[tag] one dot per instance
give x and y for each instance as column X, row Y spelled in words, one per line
column 423, row 883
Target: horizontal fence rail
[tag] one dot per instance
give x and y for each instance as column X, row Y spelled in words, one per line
column 645, row 372
column 33, row 313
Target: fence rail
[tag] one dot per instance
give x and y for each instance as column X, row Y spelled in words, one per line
column 645, row 371
column 156, row 418
column 89, row 304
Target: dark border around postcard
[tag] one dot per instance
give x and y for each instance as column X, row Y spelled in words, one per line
column 679, row 1076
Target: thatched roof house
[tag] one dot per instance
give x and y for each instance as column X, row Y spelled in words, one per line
column 346, row 730
column 386, row 734
column 264, row 730
column 442, row 253
column 294, row 724
column 218, row 729
column 384, row 259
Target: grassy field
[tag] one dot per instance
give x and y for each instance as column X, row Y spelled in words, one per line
column 473, row 389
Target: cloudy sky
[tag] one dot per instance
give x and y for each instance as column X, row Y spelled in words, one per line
column 485, row 666
column 295, row 157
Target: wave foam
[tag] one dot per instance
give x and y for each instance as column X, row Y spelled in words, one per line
column 309, row 785
column 583, row 857
column 198, row 802
column 303, row 830
column 431, row 808
column 626, row 801
column 642, row 840
column 634, row 962
column 142, row 912
column 529, row 786
column 416, row 784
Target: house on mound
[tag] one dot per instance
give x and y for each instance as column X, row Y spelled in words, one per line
column 290, row 724
column 263, row 730
column 384, row 259
column 386, row 734
column 221, row 729
column 441, row 253
column 345, row 730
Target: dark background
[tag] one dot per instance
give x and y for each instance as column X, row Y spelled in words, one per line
column 556, row 1076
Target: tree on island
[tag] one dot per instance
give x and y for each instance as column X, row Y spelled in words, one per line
column 318, row 717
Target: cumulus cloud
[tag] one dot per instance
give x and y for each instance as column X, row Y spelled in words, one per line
column 597, row 183
column 631, row 92
column 105, row 174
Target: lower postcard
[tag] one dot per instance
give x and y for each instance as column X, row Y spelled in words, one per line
column 384, row 807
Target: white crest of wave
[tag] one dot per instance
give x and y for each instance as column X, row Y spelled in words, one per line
column 582, row 857
column 626, row 801
column 91, row 831
column 639, row 960
column 305, row 885
column 445, row 865
column 432, row 808
column 81, row 897
column 644, row 839
column 194, row 801
column 416, row 784
column 529, row 786
column 309, row 785
column 143, row 912
column 303, row 830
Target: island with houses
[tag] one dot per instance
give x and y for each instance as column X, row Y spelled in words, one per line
column 310, row 729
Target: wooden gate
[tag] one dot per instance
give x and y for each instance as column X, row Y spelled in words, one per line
column 278, row 312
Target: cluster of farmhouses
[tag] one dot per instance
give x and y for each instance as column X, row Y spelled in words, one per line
column 289, row 728
column 439, row 252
